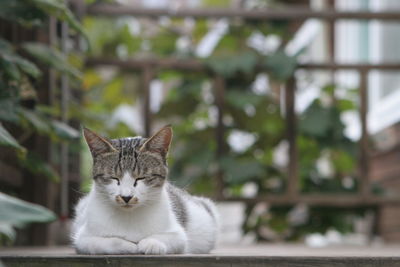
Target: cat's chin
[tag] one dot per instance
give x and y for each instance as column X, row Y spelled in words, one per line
column 127, row 207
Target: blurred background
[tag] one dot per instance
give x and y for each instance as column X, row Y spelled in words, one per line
column 284, row 112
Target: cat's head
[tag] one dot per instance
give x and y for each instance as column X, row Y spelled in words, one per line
column 129, row 172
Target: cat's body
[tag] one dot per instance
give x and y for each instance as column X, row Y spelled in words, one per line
column 132, row 209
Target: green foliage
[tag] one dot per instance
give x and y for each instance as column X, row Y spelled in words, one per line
column 6, row 139
column 275, row 225
column 16, row 213
column 322, row 136
column 33, row 163
column 216, row 3
column 30, row 13
column 20, row 116
column 230, row 64
column 107, row 36
column 51, row 57
column 240, row 171
column 19, row 76
column 189, row 104
column 280, row 65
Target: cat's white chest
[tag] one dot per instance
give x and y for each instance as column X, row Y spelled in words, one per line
column 131, row 225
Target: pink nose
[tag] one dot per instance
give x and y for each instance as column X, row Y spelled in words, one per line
column 126, row 198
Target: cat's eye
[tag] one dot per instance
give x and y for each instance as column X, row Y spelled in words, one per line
column 115, row 178
column 138, row 179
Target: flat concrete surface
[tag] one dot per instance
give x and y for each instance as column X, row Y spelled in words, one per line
column 285, row 255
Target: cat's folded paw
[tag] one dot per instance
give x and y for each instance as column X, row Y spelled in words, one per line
column 120, row 246
column 152, row 246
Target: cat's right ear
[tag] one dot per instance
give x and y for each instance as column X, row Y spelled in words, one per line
column 97, row 144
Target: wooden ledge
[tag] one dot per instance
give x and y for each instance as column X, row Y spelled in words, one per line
column 257, row 255
column 199, row 260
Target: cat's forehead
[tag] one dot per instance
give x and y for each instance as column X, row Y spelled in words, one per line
column 128, row 142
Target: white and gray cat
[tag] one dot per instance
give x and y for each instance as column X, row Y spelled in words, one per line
column 131, row 207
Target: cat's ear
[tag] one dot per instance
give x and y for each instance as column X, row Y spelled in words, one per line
column 159, row 142
column 97, row 144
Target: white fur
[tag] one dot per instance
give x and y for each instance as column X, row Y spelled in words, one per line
column 103, row 226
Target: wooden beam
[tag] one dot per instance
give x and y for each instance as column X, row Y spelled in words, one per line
column 287, row 13
column 198, row 65
column 138, row 64
column 349, row 66
column 328, row 200
column 239, row 257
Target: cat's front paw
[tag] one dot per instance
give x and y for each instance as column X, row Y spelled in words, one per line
column 121, row 246
column 152, row 246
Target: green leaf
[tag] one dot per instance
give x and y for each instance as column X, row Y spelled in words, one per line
column 51, row 57
column 7, row 230
column 26, row 66
column 18, row 213
column 280, row 65
column 10, row 59
column 5, row 46
column 240, row 99
column 240, row 171
column 345, row 105
column 316, row 120
column 58, row 9
column 36, row 120
column 8, row 110
column 219, row 3
column 64, row 131
column 343, row 161
column 229, row 64
column 6, row 139
column 22, row 13
column 36, row 165
column 10, row 69
column 329, row 89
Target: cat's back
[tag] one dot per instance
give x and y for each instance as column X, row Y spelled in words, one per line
column 198, row 216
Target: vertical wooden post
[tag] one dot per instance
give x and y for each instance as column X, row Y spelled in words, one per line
column 52, row 72
column 331, row 32
column 147, row 76
column 65, row 92
column 331, row 40
column 364, row 147
column 39, row 190
column 291, row 134
column 74, row 179
column 219, row 94
column 52, row 82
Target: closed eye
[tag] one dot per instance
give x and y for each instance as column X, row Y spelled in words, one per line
column 115, row 178
column 138, row 179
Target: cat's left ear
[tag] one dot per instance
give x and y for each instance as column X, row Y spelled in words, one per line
column 159, row 142
column 97, row 144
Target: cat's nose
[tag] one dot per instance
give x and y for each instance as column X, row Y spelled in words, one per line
column 126, row 198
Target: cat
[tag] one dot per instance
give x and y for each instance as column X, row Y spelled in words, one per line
column 132, row 208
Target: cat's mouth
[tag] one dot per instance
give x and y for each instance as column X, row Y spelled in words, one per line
column 129, row 205
column 126, row 204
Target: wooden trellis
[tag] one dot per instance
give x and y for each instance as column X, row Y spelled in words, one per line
column 149, row 67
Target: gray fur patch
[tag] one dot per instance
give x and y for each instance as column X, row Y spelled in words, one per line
column 206, row 206
column 100, row 178
column 177, row 196
column 155, row 181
